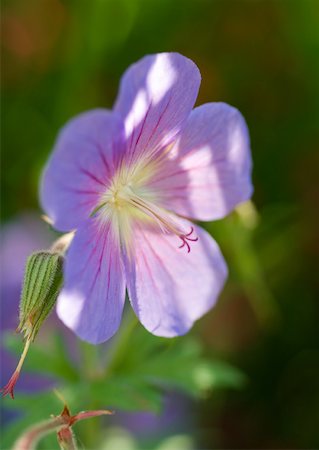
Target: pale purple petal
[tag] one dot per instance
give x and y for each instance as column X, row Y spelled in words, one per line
column 209, row 170
column 170, row 288
column 80, row 167
column 92, row 300
column 156, row 95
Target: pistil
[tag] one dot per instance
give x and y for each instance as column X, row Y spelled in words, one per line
column 185, row 238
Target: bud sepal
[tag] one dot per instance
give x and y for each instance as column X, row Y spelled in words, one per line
column 42, row 283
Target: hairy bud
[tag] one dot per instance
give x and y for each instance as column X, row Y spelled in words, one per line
column 42, row 283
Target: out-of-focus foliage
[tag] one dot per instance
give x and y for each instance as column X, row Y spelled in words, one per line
column 64, row 56
column 133, row 377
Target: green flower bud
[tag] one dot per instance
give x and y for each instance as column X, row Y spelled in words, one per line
column 42, row 284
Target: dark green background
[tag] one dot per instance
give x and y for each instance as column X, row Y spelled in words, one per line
column 62, row 57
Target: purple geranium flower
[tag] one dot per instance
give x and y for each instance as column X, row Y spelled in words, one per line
column 129, row 180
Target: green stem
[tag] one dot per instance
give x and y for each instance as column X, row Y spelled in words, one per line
column 93, row 366
column 122, row 340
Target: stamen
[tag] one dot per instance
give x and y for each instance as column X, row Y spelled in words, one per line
column 129, row 199
column 185, row 238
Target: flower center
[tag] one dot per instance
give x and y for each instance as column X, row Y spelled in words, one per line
column 129, row 200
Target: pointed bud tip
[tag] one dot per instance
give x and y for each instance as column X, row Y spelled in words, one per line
column 9, row 387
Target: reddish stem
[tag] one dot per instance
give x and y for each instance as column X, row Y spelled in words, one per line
column 9, row 387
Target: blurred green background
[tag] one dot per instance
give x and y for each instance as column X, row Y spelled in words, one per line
column 63, row 57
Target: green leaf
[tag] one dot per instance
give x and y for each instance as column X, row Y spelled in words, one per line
column 173, row 363
column 209, row 375
column 181, row 366
column 128, row 393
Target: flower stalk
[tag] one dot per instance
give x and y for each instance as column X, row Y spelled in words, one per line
column 61, row 424
column 66, row 439
column 32, row 435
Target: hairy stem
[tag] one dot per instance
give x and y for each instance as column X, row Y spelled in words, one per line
column 66, row 439
column 29, row 439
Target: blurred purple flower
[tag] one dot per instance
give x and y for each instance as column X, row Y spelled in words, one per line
column 128, row 180
column 175, row 417
column 18, row 240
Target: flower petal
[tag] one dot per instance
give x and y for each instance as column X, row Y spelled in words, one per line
column 92, row 299
column 156, row 95
column 209, row 170
column 80, row 167
column 170, row 288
